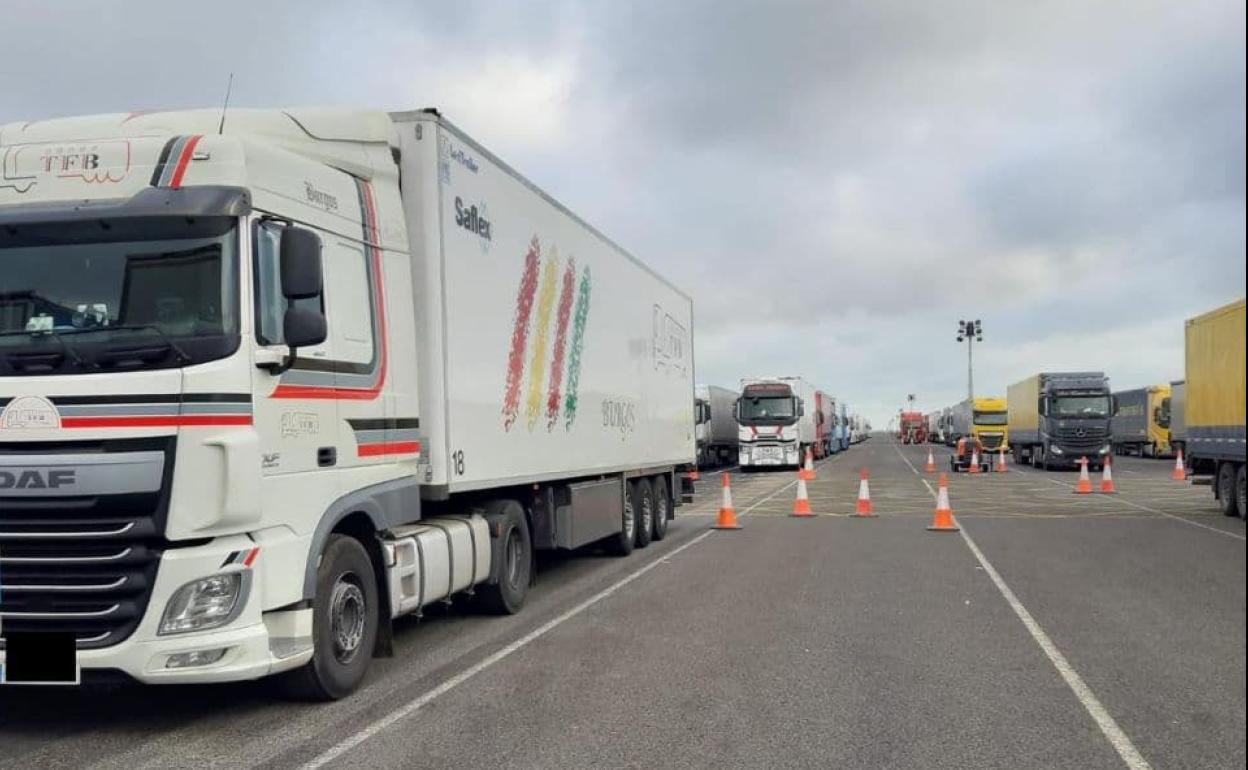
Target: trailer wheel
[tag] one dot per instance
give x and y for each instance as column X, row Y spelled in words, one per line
column 643, row 504
column 344, row 624
column 623, row 542
column 515, row 570
column 1226, row 489
column 1240, row 492
column 662, row 507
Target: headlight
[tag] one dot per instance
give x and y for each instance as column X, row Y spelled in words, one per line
column 203, row 604
column 1104, row 450
column 1057, row 450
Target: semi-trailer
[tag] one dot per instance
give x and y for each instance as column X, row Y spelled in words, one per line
column 1216, row 446
column 1141, row 424
column 775, row 422
column 716, row 428
column 1057, row 418
column 1175, row 410
column 843, row 432
column 267, row 386
column 825, row 425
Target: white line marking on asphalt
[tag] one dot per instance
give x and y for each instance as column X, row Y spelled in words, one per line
column 1118, row 499
column 414, row 705
column 1130, row 755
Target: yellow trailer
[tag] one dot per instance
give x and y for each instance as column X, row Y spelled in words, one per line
column 1215, row 403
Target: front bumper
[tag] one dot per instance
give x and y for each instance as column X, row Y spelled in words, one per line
column 248, row 640
column 769, row 455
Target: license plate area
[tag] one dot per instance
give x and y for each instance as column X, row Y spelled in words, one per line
column 40, row 658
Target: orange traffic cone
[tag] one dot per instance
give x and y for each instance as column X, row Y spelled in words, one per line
column 863, row 510
column 1001, row 468
column 931, row 462
column 1085, row 483
column 807, row 473
column 974, row 460
column 727, row 514
column 801, row 506
column 1107, row 478
column 1179, row 473
column 942, row 520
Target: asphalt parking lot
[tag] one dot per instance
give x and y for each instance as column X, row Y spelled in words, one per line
column 1054, row 630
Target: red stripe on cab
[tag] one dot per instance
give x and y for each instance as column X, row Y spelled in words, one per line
column 388, row 448
column 157, row 421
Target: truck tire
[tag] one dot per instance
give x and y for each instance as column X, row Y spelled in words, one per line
column 1226, row 481
column 344, row 624
column 662, row 506
column 643, row 504
column 623, row 542
column 1240, row 491
column 515, row 570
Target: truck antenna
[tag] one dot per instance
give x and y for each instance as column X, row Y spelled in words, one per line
column 229, row 86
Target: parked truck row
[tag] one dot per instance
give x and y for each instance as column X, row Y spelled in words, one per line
column 1056, row 419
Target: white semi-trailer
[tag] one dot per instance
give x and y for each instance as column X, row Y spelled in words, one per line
column 716, row 430
column 265, row 389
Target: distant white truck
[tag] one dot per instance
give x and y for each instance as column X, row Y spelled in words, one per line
column 262, row 391
column 716, row 425
column 776, row 421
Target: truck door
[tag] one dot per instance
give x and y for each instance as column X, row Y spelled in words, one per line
column 296, row 416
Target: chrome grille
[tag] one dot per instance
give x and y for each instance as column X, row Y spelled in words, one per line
column 1092, row 438
column 83, row 565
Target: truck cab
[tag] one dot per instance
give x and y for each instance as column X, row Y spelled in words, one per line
column 1075, row 421
column 990, row 423
column 769, row 416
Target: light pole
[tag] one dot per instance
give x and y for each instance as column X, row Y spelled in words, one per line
column 972, row 332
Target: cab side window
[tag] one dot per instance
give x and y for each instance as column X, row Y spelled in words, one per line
column 270, row 304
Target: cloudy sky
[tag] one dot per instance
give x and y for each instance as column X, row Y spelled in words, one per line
column 835, row 183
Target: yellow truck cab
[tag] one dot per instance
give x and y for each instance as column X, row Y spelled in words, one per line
column 989, row 423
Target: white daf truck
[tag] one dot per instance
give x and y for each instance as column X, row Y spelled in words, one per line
column 265, row 387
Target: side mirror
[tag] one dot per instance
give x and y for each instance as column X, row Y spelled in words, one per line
column 801, row 408
column 736, row 409
column 1113, row 405
column 300, row 257
column 303, row 327
column 1040, row 406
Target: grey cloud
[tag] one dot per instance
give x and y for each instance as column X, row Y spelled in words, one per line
column 835, row 182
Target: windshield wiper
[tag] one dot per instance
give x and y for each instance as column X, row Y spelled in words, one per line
column 28, row 361
column 182, row 356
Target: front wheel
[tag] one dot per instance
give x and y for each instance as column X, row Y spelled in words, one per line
column 515, row 567
column 344, row 624
column 1227, row 494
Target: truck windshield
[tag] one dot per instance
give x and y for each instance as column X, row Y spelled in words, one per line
column 76, row 308
column 767, row 409
column 991, row 418
column 1081, row 406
